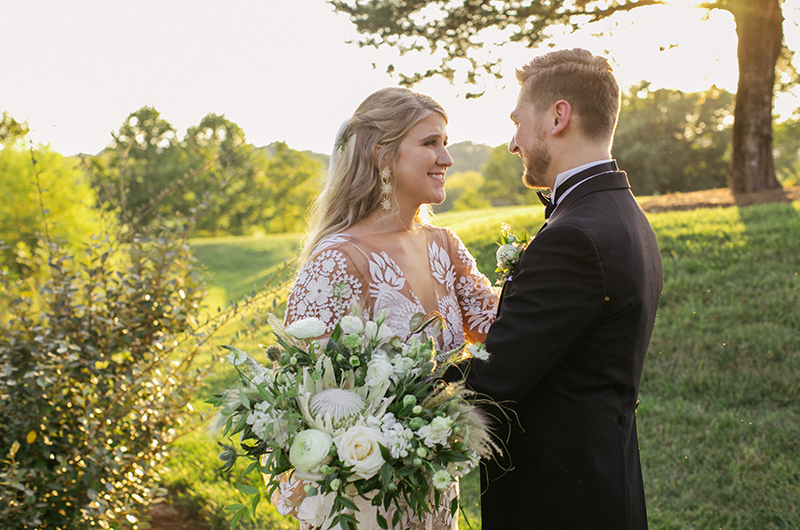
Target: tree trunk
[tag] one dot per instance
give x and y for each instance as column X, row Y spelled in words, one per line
column 759, row 26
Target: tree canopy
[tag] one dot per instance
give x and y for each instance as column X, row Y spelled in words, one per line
column 670, row 141
column 49, row 198
column 212, row 174
column 456, row 30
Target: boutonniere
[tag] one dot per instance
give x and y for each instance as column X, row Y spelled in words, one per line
column 509, row 253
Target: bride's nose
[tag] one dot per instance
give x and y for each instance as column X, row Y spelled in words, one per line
column 445, row 159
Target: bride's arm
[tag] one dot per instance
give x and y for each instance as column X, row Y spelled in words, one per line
column 477, row 298
column 326, row 288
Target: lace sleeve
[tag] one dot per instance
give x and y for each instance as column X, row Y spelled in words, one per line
column 476, row 296
column 326, row 288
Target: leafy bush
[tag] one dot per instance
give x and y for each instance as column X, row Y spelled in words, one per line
column 65, row 189
column 93, row 390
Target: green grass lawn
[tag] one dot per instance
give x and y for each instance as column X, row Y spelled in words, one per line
column 719, row 420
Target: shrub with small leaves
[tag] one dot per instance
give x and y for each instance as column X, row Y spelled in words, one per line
column 96, row 373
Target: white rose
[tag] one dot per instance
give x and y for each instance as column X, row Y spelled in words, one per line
column 379, row 370
column 358, row 447
column 306, row 328
column 309, row 450
column 351, row 324
column 316, row 509
column 506, row 252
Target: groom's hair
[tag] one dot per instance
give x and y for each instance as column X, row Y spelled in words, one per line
column 584, row 80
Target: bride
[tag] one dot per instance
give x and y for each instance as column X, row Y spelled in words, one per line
column 368, row 245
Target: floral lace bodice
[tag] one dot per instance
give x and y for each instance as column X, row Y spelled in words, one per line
column 344, row 270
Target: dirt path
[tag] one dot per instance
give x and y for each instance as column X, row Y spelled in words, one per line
column 717, row 198
column 165, row 517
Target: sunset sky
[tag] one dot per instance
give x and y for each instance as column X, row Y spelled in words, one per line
column 283, row 70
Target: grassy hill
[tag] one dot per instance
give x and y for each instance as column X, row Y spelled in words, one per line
column 719, row 420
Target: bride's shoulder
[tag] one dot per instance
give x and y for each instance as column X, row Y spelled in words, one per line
column 444, row 234
column 335, row 252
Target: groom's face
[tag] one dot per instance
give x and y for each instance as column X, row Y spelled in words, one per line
column 530, row 143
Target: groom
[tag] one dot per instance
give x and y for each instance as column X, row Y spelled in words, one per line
column 575, row 319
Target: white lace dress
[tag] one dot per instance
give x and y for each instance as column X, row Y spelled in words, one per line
column 344, row 270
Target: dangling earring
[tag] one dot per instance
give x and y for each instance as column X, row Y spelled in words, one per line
column 386, row 188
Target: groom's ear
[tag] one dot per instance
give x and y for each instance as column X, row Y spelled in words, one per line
column 561, row 112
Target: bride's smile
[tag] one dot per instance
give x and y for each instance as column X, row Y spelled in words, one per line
column 421, row 164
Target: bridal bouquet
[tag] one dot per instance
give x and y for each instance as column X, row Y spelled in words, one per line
column 360, row 417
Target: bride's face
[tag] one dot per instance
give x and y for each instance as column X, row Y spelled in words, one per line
column 422, row 160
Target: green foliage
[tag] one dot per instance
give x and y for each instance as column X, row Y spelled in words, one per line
column 224, row 175
column 140, row 168
column 212, row 174
column 11, row 129
column 503, row 185
column 294, row 180
column 464, row 192
column 90, row 392
column 193, row 479
column 671, row 141
column 467, row 156
column 68, row 196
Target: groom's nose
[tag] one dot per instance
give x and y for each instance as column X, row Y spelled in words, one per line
column 512, row 146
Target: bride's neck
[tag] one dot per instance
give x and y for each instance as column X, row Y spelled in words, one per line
column 380, row 222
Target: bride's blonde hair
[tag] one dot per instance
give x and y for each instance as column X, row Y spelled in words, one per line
column 353, row 187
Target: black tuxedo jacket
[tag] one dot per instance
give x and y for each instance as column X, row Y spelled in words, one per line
column 568, row 346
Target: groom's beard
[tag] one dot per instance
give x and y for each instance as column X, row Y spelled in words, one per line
column 537, row 161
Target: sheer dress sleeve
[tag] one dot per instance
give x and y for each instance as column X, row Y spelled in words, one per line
column 477, row 298
column 326, row 288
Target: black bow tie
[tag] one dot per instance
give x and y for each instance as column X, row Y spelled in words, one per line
column 549, row 203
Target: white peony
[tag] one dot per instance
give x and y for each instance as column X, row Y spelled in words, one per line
column 306, row 328
column 379, row 370
column 359, row 447
column 309, row 450
column 351, row 324
column 315, row 510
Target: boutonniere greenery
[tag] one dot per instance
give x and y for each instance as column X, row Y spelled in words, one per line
column 509, row 253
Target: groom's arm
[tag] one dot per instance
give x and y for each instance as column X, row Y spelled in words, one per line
column 556, row 295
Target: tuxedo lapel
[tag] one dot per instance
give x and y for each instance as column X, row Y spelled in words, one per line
column 617, row 180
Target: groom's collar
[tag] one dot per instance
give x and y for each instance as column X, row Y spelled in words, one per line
column 559, row 194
